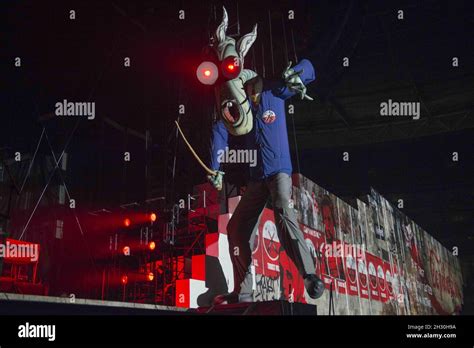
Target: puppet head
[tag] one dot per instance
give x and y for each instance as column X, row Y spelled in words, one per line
column 225, row 70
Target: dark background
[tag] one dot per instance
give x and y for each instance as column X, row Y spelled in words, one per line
column 404, row 60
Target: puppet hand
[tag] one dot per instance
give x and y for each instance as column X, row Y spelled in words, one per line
column 293, row 82
column 216, row 180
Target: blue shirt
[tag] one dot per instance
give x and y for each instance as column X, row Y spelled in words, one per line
column 269, row 136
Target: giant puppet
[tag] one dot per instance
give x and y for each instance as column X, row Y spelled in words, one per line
column 254, row 108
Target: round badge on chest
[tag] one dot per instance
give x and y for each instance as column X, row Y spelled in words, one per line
column 268, row 116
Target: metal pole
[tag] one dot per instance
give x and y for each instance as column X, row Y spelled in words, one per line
column 284, row 38
column 238, row 20
column 296, row 143
column 294, row 47
column 271, row 43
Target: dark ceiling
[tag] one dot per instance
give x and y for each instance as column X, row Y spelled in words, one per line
column 405, row 60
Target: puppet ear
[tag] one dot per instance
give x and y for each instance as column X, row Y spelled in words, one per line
column 222, row 28
column 245, row 42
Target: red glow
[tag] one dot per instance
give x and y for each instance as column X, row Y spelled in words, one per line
column 152, row 217
column 207, row 73
column 127, row 222
column 150, row 276
column 152, row 245
column 124, row 279
column 231, row 67
column 126, row 250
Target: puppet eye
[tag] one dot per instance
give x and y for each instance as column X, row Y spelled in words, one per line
column 207, row 73
column 231, row 67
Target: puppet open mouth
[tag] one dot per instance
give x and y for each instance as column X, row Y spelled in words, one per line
column 232, row 112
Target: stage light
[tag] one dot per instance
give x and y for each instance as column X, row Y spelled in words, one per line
column 124, row 279
column 151, row 245
column 152, row 217
column 207, row 73
column 150, row 276
column 127, row 222
column 126, row 250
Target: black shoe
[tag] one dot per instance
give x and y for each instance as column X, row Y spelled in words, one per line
column 314, row 286
column 228, row 298
column 232, row 298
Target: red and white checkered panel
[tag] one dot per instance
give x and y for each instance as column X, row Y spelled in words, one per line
column 188, row 291
column 232, row 203
column 222, row 221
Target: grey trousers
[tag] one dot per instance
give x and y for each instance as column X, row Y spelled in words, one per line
column 245, row 218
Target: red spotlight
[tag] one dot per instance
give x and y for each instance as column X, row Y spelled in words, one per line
column 150, row 276
column 126, row 250
column 207, row 72
column 127, row 222
column 124, row 279
column 152, row 217
column 152, row 245
column 230, row 67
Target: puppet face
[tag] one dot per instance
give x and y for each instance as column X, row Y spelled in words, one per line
column 226, row 72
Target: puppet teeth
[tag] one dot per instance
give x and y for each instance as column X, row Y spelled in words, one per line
column 227, row 114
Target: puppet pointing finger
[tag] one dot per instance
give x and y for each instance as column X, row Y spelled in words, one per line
column 293, row 81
